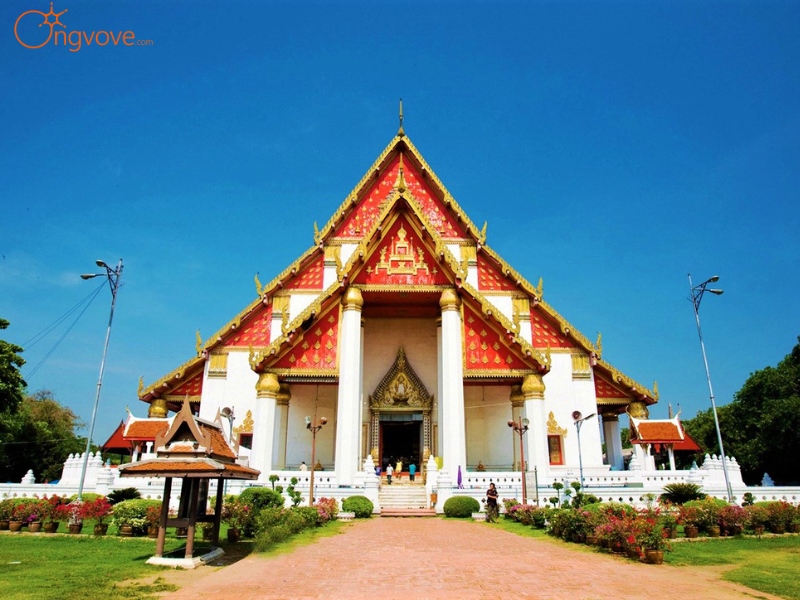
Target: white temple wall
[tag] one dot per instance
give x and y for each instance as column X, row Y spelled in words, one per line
column 305, row 399
column 564, row 395
column 489, row 439
column 298, row 302
column 382, row 339
column 503, row 303
column 236, row 390
column 346, row 251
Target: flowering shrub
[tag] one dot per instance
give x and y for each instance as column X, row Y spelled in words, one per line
column 508, row 504
column 29, row 510
column 97, row 509
column 237, row 513
column 757, row 515
column 327, row 508
column 133, row 513
column 732, row 516
column 779, row 514
column 648, row 531
column 153, row 515
column 702, row 513
column 615, row 531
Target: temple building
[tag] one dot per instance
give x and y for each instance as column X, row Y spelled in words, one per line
column 414, row 339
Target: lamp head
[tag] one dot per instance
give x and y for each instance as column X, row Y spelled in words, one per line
column 511, row 423
column 525, row 422
column 713, row 279
column 101, row 263
column 716, row 291
column 576, row 415
column 88, row 275
column 322, row 420
column 226, row 412
column 308, row 421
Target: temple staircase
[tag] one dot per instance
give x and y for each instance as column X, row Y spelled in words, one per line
column 404, row 499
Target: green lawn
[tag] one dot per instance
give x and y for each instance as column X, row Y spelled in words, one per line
column 770, row 564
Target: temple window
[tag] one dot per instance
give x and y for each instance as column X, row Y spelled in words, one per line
column 580, row 367
column 246, row 440
column 218, row 365
column 554, row 448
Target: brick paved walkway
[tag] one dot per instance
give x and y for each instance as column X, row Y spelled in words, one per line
column 435, row 558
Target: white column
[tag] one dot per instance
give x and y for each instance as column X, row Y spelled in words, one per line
column 539, row 455
column 671, row 453
column 517, row 411
column 348, row 425
column 452, row 426
column 281, row 427
column 613, row 442
column 261, row 455
column 439, row 395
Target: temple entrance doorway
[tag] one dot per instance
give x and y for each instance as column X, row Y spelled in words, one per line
column 401, row 439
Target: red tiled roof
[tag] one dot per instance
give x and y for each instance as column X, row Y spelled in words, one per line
column 219, row 445
column 651, row 432
column 688, row 444
column 145, row 429
column 117, row 441
column 167, row 467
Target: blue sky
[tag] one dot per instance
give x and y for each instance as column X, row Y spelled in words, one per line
column 613, row 147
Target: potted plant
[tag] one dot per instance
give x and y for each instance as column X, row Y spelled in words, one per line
column 57, row 511
column 690, row 517
column 653, row 540
column 794, row 526
column 236, row 513
column 669, row 522
column 779, row 516
column 758, row 517
column 98, row 509
column 130, row 516
column 24, row 512
column 153, row 516
column 6, row 510
column 732, row 519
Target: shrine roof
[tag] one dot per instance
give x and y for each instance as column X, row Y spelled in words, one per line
column 144, row 429
column 116, row 441
column 661, row 431
column 197, row 468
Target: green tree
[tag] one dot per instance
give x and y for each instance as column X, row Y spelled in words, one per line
column 760, row 426
column 12, row 385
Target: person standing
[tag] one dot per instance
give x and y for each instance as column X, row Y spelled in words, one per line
column 412, row 470
column 491, row 504
column 389, row 471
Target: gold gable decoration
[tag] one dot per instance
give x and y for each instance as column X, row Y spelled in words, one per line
column 552, row 426
column 400, row 389
column 247, row 424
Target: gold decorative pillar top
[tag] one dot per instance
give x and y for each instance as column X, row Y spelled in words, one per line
column 638, row 410
column 449, row 300
column 533, row 387
column 158, row 409
column 516, row 397
column 268, row 385
column 353, row 300
column 284, row 394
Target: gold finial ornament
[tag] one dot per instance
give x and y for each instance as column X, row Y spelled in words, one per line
column 482, row 235
column 259, row 287
column 449, row 300
column 158, row 409
column 199, row 344
column 317, row 234
column 141, row 386
column 353, row 299
column 655, row 389
column 598, row 346
column 540, row 289
column 268, row 385
column 400, row 131
column 400, row 182
column 516, row 397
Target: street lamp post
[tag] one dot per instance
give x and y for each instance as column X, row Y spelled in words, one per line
column 521, row 427
column 113, row 276
column 313, row 426
column 579, row 420
column 697, row 295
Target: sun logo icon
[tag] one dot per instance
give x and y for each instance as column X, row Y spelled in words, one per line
column 46, row 21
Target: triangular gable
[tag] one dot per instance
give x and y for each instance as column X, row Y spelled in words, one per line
column 191, row 388
column 189, row 436
column 310, row 278
column 116, row 441
column 545, row 334
column 491, row 279
column 254, row 332
column 361, row 218
column 486, row 350
column 604, row 389
column 401, row 258
column 314, row 351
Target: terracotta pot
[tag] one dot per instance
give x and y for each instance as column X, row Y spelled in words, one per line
column 3, row 524
column 35, row 526
column 50, row 526
column 101, row 529
column 654, row 557
column 14, row 525
column 735, row 530
column 758, row 530
column 714, row 531
column 126, row 530
column 779, row 529
column 591, row 540
column 617, row 548
column 233, row 535
column 690, row 531
column 152, row 531
column 793, row 528
column 633, row 553
column 76, row 528
column 672, row 533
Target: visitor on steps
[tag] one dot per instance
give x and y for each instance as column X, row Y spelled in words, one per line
column 389, row 472
column 412, row 470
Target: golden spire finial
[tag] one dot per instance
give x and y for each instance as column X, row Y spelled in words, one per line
column 400, row 131
column 400, row 182
column 199, row 343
